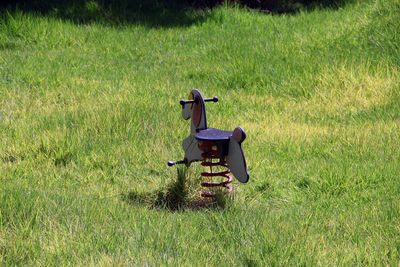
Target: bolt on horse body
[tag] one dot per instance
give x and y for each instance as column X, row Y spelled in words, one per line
column 208, row 144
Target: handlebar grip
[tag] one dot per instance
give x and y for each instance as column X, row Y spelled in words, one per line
column 184, row 102
column 214, row 99
column 172, row 163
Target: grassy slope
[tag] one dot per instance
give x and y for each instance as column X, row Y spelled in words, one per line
column 90, row 114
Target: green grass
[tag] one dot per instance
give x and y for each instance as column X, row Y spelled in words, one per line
column 90, row 114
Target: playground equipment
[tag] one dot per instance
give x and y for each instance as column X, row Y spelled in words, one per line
column 209, row 145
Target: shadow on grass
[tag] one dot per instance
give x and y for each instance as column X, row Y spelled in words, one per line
column 152, row 13
column 177, row 196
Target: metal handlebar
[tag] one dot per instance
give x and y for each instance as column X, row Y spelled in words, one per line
column 184, row 102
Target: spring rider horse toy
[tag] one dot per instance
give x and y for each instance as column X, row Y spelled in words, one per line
column 205, row 143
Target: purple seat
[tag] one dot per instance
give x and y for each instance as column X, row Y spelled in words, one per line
column 212, row 134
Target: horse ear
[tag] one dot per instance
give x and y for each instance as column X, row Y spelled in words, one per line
column 199, row 117
column 197, row 109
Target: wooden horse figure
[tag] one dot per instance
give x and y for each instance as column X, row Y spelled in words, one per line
column 209, row 143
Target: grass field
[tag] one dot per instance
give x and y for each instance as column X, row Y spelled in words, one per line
column 90, row 114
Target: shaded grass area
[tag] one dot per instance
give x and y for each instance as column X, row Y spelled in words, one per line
column 154, row 13
column 89, row 116
column 180, row 195
column 151, row 13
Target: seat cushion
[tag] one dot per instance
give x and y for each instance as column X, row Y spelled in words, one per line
column 212, row 134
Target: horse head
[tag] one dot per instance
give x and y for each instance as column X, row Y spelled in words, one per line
column 195, row 108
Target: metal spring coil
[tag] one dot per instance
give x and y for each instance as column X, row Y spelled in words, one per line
column 212, row 154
